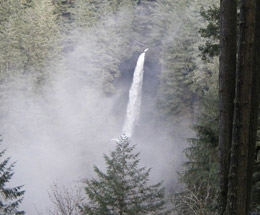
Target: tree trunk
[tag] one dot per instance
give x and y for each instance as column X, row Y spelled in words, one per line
column 255, row 100
column 242, row 144
column 227, row 71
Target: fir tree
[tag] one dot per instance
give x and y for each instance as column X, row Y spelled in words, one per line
column 124, row 187
column 10, row 198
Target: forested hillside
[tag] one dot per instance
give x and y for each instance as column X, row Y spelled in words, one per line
column 65, row 71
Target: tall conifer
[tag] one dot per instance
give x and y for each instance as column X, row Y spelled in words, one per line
column 124, row 187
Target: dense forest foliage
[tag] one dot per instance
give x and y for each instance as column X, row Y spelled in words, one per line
column 43, row 39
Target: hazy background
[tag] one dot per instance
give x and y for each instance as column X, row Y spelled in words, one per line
column 58, row 133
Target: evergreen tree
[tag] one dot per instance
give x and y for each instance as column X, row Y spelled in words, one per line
column 210, row 33
column 39, row 39
column 29, row 38
column 176, row 81
column 199, row 176
column 182, row 76
column 124, row 187
column 63, row 11
column 10, row 53
column 10, row 198
column 107, row 30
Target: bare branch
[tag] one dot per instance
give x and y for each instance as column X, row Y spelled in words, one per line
column 65, row 201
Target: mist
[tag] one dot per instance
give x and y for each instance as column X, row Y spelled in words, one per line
column 56, row 135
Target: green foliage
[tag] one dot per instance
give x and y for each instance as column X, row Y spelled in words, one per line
column 210, row 33
column 10, row 198
column 107, row 30
column 63, row 11
column 177, row 37
column 199, row 177
column 85, row 13
column 201, row 170
column 29, row 35
column 39, row 38
column 10, row 53
column 124, row 187
column 176, row 80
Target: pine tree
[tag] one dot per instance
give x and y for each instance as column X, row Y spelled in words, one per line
column 124, row 187
column 10, row 198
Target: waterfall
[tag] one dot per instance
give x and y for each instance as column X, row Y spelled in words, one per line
column 135, row 94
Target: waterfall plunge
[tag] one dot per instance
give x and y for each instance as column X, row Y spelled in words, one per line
column 135, row 95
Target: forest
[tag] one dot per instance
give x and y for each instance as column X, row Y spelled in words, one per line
column 66, row 67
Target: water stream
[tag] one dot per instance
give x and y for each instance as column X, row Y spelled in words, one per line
column 135, row 95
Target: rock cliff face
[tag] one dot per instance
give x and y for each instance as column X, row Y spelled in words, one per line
column 151, row 82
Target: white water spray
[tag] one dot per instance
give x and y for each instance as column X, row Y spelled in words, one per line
column 135, row 95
